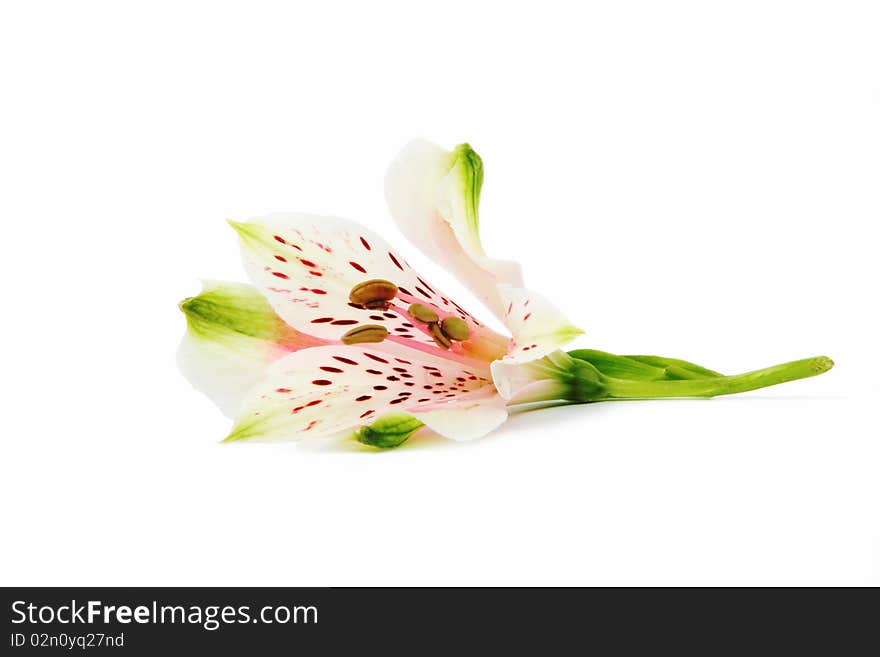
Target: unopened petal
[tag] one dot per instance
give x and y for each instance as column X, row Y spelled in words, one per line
column 434, row 195
column 232, row 337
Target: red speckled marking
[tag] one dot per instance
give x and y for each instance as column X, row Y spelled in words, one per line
column 307, row 263
column 358, row 267
column 363, row 398
column 327, row 368
column 347, row 361
column 280, row 258
column 282, row 390
column 278, row 238
column 395, row 261
column 279, row 274
column 365, row 243
column 321, row 382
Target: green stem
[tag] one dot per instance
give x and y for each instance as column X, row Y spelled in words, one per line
column 722, row 385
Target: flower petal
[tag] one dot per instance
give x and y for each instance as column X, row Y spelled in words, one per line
column 434, row 197
column 539, row 380
column 328, row 389
column 538, row 328
column 465, row 417
column 306, row 265
column 232, row 337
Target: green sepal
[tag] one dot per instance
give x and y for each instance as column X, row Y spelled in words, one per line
column 642, row 368
column 388, row 431
column 231, row 308
column 676, row 368
column 598, row 375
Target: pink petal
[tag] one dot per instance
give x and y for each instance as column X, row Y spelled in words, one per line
column 324, row 390
column 306, row 265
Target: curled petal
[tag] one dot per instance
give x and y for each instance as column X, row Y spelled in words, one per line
column 307, row 266
column 232, row 337
column 328, row 389
column 434, row 197
column 537, row 326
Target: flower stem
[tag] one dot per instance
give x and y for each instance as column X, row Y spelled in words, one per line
column 721, row 385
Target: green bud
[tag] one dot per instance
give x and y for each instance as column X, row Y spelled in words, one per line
column 388, row 431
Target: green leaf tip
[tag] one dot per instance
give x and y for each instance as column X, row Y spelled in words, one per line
column 643, row 368
column 469, row 166
column 231, row 308
column 246, row 231
column 388, row 431
column 186, row 305
column 822, row 364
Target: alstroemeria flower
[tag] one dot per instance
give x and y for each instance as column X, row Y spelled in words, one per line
column 294, row 344
column 339, row 335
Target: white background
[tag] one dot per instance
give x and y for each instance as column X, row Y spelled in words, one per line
column 696, row 180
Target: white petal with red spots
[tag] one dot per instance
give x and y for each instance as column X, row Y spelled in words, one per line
column 306, row 266
column 468, row 416
column 324, row 390
column 538, row 328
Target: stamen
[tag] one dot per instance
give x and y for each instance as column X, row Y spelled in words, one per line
column 455, row 328
column 437, row 333
column 373, row 294
column 423, row 314
column 365, row 333
column 431, row 350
